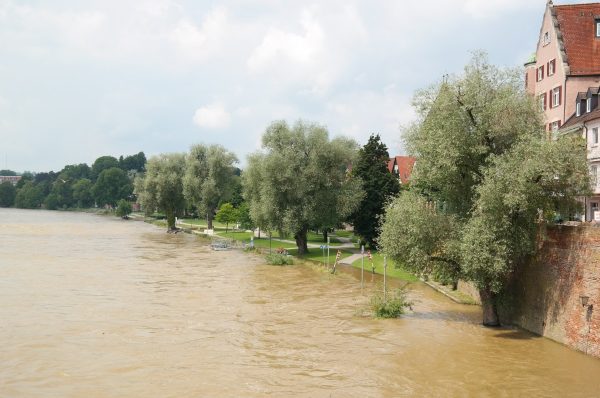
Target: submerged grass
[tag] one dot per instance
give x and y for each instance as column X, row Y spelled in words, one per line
column 392, row 306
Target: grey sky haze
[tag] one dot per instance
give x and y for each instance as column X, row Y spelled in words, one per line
column 79, row 80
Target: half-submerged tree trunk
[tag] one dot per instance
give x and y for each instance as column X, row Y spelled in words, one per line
column 488, row 304
column 302, row 241
column 170, row 220
column 209, row 219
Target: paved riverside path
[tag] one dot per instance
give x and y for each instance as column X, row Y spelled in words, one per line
column 350, row 259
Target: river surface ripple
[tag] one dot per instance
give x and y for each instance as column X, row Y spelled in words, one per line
column 95, row 306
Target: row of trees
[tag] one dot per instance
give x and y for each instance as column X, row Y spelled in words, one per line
column 104, row 183
column 300, row 180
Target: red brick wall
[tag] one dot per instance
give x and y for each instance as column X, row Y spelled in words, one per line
column 544, row 296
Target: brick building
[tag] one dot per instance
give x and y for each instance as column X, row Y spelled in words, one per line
column 401, row 167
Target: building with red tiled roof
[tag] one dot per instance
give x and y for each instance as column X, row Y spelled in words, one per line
column 586, row 123
column 402, row 167
column 567, row 59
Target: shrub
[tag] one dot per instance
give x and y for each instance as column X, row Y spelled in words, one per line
column 279, row 259
column 393, row 307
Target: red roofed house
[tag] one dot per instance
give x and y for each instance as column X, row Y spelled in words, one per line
column 567, row 59
column 402, row 167
column 565, row 77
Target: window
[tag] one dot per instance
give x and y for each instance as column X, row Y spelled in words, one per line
column 543, row 101
column 578, row 109
column 546, row 40
column 554, row 126
column 588, row 105
column 551, row 67
column 597, row 27
column 556, row 97
column 594, row 136
column 540, row 73
column 594, row 174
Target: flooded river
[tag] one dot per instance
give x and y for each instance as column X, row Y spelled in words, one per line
column 94, row 306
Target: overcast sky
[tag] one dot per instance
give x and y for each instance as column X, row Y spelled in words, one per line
column 82, row 79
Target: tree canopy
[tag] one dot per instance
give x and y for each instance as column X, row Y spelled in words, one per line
column 112, row 184
column 8, row 192
column 484, row 178
column 379, row 186
column 209, row 178
column 301, row 180
column 161, row 187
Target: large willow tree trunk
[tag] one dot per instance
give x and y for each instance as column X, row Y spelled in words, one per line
column 490, row 310
column 209, row 219
column 302, row 241
column 170, row 220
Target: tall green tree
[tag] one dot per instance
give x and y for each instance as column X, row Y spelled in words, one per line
column 300, row 179
column 8, row 192
column 75, row 172
column 82, row 193
column 161, row 187
column 209, row 178
column 485, row 175
column 134, row 162
column 5, row 172
column 101, row 164
column 30, row 196
column 379, row 186
column 112, row 184
column 226, row 214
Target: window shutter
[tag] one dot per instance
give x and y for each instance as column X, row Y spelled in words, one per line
column 548, row 67
column 542, row 71
column 545, row 102
column 559, row 124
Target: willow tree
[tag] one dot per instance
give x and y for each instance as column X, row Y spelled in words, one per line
column 485, row 176
column 301, row 179
column 210, row 178
column 161, row 187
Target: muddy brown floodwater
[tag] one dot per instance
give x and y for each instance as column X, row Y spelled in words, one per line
column 94, row 306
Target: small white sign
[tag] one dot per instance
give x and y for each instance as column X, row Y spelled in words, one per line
column 362, row 249
column 597, row 215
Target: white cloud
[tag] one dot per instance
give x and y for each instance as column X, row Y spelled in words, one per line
column 212, row 116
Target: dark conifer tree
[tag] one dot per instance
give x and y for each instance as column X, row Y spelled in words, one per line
column 379, row 185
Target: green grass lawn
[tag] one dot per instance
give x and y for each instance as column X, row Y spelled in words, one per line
column 262, row 243
column 392, row 271
column 317, row 255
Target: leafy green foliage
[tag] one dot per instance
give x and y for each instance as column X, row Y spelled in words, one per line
column 300, row 181
column 101, row 164
column 279, row 259
column 484, row 179
column 123, row 208
column 5, row 172
column 379, row 186
column 161, row 188
column 134, row 162
column 209, row 178
column 30, row 196
column 112, row 184
column 244, row 216
column 392, row 306
column 8, row 193
column 82, row 193
column 226, row 214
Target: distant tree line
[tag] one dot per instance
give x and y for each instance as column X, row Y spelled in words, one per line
column 106, row 182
